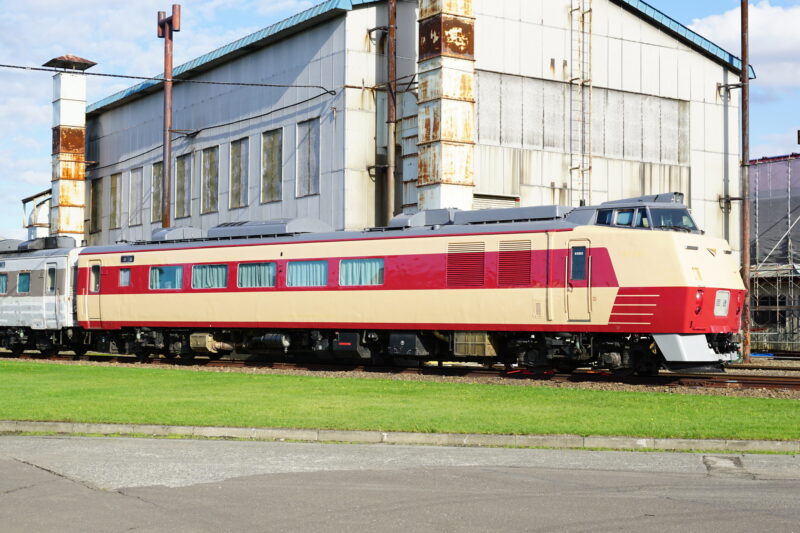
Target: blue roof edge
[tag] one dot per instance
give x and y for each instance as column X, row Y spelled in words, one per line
column 691, row 38
column 329, row 7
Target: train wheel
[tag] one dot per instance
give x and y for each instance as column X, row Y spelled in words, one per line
column 79, row 351
column 17, row 350
column 50, row 351
column 646, row 364
column 142, row 356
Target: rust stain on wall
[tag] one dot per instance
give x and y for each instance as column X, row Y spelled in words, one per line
column 69, row 140
column 447, row 35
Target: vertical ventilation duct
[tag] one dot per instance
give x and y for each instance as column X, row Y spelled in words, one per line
column 67, row 206
column 446, row 104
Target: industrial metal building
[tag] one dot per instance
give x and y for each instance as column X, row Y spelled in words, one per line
column 516, row 102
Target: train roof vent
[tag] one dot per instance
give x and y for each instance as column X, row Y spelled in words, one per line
column 184, row 233
column 512, row 214
column 47, row 243
column 281, row 226
column 429, row 217
column 9, row 245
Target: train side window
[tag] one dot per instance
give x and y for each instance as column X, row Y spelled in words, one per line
column 209, row 276
column 166, row 278
column 307, row 274
column 51, row 280
column 358, row 272
column 641, row 219
column 94, row 278
column 605, row 216
column 256, row 275
column 23, row 282
column 578, row 263
column 3, row 283
column 624, row 217
column 125, row 277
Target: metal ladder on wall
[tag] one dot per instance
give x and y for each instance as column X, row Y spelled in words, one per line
column 580, row 102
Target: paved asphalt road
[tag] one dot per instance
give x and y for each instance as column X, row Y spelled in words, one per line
column 120, row 484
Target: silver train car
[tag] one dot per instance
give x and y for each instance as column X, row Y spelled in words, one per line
column 37, row 296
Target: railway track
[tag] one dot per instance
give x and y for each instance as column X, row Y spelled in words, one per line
column 720, row 380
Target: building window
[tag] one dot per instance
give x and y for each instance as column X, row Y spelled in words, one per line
column 210, row 180
column 166, row 277
column 271, row 166
column 307, row 274
column 3, row 283
column 308, row 158
column 354, row 272
column 125, row 277
column 183, row 186
column 255, row 275
column 135, row 210
column 115, row 220
column 237, row 195
column 157, row 192
column 96, row 203
column 209, row 276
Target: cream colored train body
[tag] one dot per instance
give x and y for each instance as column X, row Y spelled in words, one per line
column 626, row 285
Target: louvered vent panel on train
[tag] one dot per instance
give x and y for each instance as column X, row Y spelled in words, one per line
column 514, row 263
column 465, row 264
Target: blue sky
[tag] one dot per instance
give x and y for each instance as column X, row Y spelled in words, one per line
column 120, row 37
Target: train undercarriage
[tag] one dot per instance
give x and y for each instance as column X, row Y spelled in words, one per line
column 538, row 352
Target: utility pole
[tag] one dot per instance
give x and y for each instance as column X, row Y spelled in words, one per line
column 745, row 181
column 391, row 153
column 167, row 25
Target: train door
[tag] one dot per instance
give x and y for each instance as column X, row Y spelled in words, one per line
column 50, row 297
column 579, row 281
column 93, row 292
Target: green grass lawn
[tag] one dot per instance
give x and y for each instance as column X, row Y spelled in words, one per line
column 50, row 392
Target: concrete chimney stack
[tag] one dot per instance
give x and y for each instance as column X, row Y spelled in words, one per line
column 68, row 202
column 446, row 104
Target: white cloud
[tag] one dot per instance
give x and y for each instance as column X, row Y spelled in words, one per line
column 774, row 40
column 121, row 38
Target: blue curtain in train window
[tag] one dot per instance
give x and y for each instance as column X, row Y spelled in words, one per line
column 307, row 274
column 24, row 283
column 361, row 272
column 166, row 277
column 209, row 276
column 3, row 283
column 257, row 275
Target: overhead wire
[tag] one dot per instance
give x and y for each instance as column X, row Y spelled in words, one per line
column 324, row 92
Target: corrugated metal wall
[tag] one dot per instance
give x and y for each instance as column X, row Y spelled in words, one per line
column 127, row 139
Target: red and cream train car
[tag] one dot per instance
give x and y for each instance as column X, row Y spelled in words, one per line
column 625, row 285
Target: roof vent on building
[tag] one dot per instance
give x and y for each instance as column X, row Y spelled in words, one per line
column 430, row 217
column 182, row 233
column 268, row 228
column 512, row 214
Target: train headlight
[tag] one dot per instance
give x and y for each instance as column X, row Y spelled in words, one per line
column 699, row 301
column 721, row 303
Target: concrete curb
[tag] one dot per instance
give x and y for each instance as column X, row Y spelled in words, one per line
column 399, row 437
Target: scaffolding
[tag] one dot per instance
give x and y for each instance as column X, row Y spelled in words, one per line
column 580, row 101
column 775, row 272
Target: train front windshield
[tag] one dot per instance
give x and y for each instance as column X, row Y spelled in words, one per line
column 672, row 218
